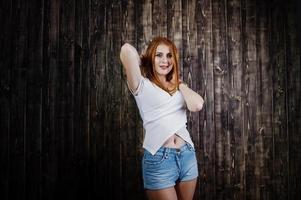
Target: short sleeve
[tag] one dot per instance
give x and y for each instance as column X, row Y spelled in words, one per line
column 139, row 88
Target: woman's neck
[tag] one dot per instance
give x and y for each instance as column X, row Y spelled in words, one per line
column 162, row 79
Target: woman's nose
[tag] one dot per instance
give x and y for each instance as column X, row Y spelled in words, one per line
column 164, row 59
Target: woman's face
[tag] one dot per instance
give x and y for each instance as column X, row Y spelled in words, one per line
column 163, row 60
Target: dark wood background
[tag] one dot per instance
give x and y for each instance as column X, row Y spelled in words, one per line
column 70, row 128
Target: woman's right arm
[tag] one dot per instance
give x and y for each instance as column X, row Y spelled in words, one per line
column 130, row 60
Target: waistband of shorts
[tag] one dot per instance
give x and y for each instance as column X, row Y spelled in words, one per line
column 185, row 147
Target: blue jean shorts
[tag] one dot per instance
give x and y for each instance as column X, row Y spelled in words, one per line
column 169, row 166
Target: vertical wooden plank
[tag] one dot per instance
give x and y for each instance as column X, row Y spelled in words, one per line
column 293, row 101
column 128, row 111
column 243, row 99
column 200, row 80
column 174, row 27
column 90, row 150
column 189, row 56
column 107, row 105
column 147, row 34
column 99, row 63
column 34, row 87
column 85, row 101
column 45, row 139
column 80, row 157
column 263, row 147
column 50, row 146
column 85, row 90
column 185, row 27
column 147, row 22
column 114, row 82
column 45, row 114
column 65, row 101
column 143, row 34
column 6, row 62
column 117, row 80
column 250, row 99
column 128, row 127
column 190, row 73
column 82, row 136
column 280, row 139
column 159, row 18
column 220, row 93
column 174, row 24
column 229, row 190
column 206, row 157
column 235, row 162
column 85, row 135
column 17, row 154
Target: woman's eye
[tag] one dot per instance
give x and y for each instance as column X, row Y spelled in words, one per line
column 161, row 55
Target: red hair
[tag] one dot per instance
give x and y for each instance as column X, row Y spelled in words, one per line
column 148, row 66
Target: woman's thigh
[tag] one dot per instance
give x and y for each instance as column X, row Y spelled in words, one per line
column 162, row 194
column 185, row 189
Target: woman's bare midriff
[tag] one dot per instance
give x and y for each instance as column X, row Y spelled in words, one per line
column 174, row 141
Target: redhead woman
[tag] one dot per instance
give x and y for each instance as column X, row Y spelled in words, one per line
column 169, row 164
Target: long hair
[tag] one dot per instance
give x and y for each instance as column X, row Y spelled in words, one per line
column 148, row 66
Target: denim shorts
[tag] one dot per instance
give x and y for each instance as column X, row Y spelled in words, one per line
column 169, row 166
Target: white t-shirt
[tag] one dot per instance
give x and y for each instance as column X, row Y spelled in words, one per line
column 163, row 115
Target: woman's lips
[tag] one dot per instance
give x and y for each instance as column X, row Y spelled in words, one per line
column 164, row 66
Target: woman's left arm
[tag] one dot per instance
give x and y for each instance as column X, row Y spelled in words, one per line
column 193, row 100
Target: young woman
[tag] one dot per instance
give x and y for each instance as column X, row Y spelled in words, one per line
column 169, row 163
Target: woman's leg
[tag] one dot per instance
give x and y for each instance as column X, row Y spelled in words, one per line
column 185, row 189
column 162, row 194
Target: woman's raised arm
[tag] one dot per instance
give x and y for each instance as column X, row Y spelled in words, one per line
column 193, row 100
column 130, row 60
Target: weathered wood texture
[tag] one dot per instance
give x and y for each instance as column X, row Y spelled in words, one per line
column 71, row 129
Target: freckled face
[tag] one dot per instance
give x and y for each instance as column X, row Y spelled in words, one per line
column 163, row 60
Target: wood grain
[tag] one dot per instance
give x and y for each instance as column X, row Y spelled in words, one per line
column 70, row 127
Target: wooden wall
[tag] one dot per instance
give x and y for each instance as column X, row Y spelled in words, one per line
column 70, row 128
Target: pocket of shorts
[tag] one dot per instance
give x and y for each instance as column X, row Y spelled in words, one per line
column 156, row 159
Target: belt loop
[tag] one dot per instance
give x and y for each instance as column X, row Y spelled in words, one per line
column 166, row 151
column 190, row 146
